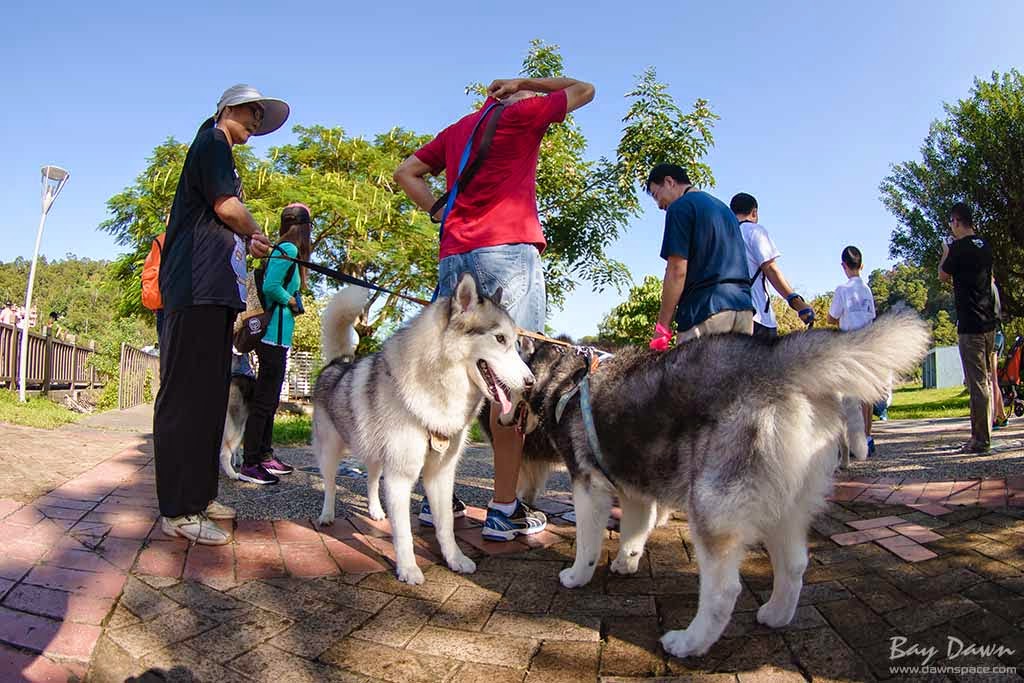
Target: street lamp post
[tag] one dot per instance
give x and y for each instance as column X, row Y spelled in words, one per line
column 54, row 178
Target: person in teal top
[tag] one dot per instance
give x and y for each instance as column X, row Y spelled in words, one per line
column 281, row 286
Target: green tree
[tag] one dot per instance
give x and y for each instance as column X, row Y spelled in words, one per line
column 975, row 154
column 632, row 321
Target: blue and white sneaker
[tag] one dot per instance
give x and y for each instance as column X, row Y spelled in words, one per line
column 871, row 447
column 525, row 521
column 458, row 510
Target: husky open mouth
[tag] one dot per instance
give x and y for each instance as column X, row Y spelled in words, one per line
column 494, row 386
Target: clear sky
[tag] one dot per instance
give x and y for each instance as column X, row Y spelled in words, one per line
column 816, row 99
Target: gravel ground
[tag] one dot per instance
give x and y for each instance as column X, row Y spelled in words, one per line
column 918, row 449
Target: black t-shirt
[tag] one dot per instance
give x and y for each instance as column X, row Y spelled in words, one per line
column 203, row 261
column 970, row 263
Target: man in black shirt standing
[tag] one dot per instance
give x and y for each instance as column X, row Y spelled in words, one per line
column 968, row 263
column 202, row 284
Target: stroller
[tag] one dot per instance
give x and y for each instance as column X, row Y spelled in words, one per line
column 1008, row 376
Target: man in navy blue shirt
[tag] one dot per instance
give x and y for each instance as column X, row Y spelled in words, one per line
column 706, row 286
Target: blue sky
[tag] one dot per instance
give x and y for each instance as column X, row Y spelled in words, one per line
column 816, row 99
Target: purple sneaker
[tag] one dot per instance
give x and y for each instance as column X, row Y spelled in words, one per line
column 257, row 474
column 275, row 466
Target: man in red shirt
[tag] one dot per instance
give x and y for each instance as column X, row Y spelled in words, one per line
column 494, row 232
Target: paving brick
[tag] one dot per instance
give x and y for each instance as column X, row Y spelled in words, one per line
column 98, row 585
column 998, row 599
column 26, row 630
column 855, row 621
column 74, row 641
column 878, row 522
column 501, row 650
column 310, row 638
column 189, row 665
column 145, row 602
column 150, row 636
column 254, row 531
column 289, row 531
column 469, row 672
column 206, row 601
column 906, row 549
column 526, row 594
column 268, row 664
column 274, row 599
column 162, row 558
column 824, row 653
column 334, row 591
column 917, row 618
column 258, row 561
column 242, row 633
column 853, row 537
column 355, row 556
column 745, row 624
column 474, row 538
column 26, row 550
column 391, row 664
column 120, row 552
column 75, row 559
column 388, row 583
column 59, row 604
column 545, row 627
column 468, row 609
column 209, row 561
column 916, row 532
column 631, row 649
column 398, row 622
column 605, row 605
column 308, row 560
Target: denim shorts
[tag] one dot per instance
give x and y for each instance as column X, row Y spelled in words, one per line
column 516, row 268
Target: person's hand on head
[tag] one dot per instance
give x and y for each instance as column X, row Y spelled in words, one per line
column 259, row 245
column 503, row 87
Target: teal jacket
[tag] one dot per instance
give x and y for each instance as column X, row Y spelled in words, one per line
column 277, row 291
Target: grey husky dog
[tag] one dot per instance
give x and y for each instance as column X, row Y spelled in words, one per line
column 406, row 409
column 738, row 432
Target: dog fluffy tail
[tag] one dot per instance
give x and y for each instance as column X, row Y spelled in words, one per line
column 857, row 364
column 337, row 324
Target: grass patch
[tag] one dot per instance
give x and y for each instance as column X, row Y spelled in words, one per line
column 39, row 411
column 915, row 403
column 293, row 429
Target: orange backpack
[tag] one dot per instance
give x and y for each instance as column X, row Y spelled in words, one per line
column 151, row 276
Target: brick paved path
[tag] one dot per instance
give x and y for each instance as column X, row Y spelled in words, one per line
column 87, row 583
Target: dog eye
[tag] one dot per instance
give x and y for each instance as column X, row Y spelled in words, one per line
column 500, row 338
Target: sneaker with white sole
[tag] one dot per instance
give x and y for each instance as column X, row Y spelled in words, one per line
column 196, row 528
column 217, row 510
column 458, row 510
column 257, row 474
column 275, row 466
column 525, row 521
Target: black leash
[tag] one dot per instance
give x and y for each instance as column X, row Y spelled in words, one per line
column 351, row 279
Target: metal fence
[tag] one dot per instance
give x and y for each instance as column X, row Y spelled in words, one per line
column 138, row 377
column 51, row 363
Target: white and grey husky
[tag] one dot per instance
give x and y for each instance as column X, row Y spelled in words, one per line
column 406, row 409
column 739, row 433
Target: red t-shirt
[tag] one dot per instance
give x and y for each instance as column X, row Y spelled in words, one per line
column 499, row 206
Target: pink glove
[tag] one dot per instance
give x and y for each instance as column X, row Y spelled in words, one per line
column 662, row 336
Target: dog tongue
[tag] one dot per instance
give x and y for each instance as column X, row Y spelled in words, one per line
column 506, row 405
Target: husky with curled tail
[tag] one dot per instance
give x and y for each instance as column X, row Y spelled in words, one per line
column 739, row 432
column 406, row 409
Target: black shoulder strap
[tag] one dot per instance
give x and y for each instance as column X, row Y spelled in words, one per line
column 159, row 247
column 764, row 280
column 481, row 153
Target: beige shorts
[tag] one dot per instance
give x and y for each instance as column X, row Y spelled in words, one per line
column 724, row 322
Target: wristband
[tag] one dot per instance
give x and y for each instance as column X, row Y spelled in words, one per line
column 793, row 295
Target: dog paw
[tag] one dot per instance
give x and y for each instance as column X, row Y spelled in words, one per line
column 325, row 519
column 772, row 616
column 570, row 578
column 462, row 564
column 411, row 575
column 624, row 564
column 681, row 644
column 376, row 512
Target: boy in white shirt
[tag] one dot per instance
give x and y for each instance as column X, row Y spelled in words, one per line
column 763, row 267
column 853, row 307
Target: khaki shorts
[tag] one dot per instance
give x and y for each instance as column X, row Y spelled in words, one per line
column 723, row 322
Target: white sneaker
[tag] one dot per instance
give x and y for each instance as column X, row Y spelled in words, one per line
column 217, row 510
column 196, row 528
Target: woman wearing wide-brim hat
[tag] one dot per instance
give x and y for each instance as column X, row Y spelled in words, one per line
column 202, row 285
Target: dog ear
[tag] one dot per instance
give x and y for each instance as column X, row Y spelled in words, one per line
column 466, row 295
column 526, row 347
column 496, row 297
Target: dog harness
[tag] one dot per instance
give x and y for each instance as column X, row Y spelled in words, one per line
column 586, row 410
